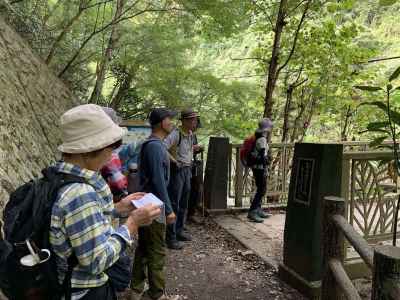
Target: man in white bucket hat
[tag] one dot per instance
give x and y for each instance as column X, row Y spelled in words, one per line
column 83, row 212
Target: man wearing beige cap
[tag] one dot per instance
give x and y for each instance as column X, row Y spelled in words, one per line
column 181, row 146
column 83, row 212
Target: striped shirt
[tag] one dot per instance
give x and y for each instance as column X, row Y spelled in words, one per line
column 81, row 224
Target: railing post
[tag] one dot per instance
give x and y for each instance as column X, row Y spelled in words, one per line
column 386, row 281
column 332, row 247
column 238, row 180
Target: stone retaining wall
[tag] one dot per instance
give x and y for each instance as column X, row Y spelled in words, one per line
column 31, row 100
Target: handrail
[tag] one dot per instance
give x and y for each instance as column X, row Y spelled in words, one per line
column 367, row 155
column 383, row 260
column 343, row 279
column 349, row 144
column 355, row 239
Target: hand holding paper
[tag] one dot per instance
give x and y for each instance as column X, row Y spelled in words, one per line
column 148, row 199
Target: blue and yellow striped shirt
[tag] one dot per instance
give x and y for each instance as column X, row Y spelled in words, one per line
column 81, row 224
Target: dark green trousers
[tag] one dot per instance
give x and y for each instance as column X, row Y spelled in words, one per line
column 150, row 260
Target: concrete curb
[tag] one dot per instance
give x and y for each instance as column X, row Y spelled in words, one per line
column 240, row 237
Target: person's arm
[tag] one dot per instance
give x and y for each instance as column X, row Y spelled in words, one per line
column 197, row 148
column 95, row 243
column 172, row 139
column 262, row 148
column 172, row 159
column 170, row 142
column 155, row 168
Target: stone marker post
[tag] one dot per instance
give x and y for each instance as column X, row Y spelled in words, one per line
column 216, row 174
column 386, row 281
column 316, row 173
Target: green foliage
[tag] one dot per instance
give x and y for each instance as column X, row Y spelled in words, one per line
column 389, row 127
column 387, row 2
column 214, row 56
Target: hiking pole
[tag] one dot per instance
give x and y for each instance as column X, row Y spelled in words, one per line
column 396, row 216
column 1, row 230
column 202, row 186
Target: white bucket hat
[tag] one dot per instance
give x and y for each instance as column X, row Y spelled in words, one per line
column 87, row 128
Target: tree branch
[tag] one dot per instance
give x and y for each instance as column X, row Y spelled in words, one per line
column 68, row 27
column 265, row 12
column 105, row 27
column 382, row 59
column 251, row 58
column 297, row 6
column 15, row 1
column 303, row 17
column 96, row 4
column 244, row 76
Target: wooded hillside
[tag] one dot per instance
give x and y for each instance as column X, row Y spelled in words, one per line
column 296, row 61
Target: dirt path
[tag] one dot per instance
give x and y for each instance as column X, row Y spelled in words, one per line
column 216, row 267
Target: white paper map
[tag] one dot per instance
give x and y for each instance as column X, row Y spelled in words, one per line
column 146, row 200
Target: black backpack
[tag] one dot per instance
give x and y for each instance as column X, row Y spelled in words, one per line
column 27, row 216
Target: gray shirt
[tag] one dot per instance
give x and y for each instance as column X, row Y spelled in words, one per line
column 261, row 143
column 180, row 146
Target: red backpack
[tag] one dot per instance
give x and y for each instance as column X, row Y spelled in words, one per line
column 246, row 152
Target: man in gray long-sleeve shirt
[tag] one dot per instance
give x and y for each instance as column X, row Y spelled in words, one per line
column 154, row 172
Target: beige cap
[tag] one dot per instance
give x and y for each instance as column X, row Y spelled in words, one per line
column 88, row 128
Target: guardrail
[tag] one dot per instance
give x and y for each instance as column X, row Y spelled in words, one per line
column 241, row 185
column 384, row 261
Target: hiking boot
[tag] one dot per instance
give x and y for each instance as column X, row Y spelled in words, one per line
column 163, row 297
column 195, row 220
column 262, row 214
column 183, row 236
column 175, row 245
column 254, row 217
column 134, row 295
column 169, row 297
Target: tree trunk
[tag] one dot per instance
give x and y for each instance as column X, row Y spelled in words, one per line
column 289, row 97
column 343, row 135
column 309, row 118
column 288, row 105
column 102, row 66
column 122, row 90
column 300, row 114
column 273, row 66
column 274, row 70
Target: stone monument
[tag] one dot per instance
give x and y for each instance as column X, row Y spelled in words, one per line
column 316, row 173
column 216, row 174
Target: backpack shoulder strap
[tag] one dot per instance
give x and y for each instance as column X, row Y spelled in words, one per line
column 141, row 156
column 142, row 147
column 180, row 138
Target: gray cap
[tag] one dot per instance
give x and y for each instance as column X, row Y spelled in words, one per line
column 264, row 125
column 112, row 114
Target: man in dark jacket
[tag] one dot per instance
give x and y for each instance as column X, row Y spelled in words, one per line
column 154, row 172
